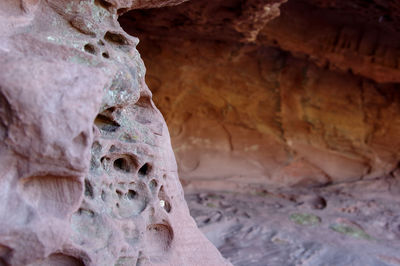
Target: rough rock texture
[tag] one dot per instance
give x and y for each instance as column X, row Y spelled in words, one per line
column 310, row 100
column 337, row 225
column 361, row 36
column 88, row 176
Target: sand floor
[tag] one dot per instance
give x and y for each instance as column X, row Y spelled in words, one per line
column 348, row 224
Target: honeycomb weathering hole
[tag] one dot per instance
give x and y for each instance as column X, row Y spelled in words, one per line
column 106, row 55
column 145, row 169
column 88, row 189
column 105, row 123
column 130, row 203
column 115, row 37
column 159, row 240
column 55, row 195
column 164, row 200
column 153, row 184
column 103, row 3
column 132, row 194
column 90, row 48
column 121, row 164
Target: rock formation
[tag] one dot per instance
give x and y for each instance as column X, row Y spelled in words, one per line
column 88, row 176
column 275, row 93
column 284, row 117
column 257, row 94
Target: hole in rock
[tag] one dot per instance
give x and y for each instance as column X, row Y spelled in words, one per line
column 96, row 147
column 318, row 202
column 164, row 200
column 119, row 193
column 144, row 170
column 113, row 149
column 132, row 194
column 106, row 124
column 89, row 213
column 5, row 111
column 106, row 55
column 131, row 203
column 109, row 110
column 105, row 162
column 153, row 184
column 90, row 48
column 116, row 38
column 121, row 164
column 103, row 3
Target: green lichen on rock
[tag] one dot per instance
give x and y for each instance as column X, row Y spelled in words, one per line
column 305, row 219
column 350, row 231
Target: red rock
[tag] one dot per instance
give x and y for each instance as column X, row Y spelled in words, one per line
column 285, row 104
column 88, row 176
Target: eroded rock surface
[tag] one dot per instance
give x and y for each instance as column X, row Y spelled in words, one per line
column 88, row 176
column 312, row 98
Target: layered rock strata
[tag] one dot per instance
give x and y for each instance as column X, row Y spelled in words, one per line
column 88, row 176
column 311, row 98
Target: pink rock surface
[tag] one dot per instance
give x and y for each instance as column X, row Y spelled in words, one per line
column 88, row 176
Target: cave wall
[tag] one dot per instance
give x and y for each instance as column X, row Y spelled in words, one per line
column 88, row 176
column 312, row 100
column 256, row 92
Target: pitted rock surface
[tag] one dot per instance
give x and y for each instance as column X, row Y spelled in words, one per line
column 88, row 176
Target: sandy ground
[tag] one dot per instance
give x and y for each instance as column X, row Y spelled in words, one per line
column 348, row 224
